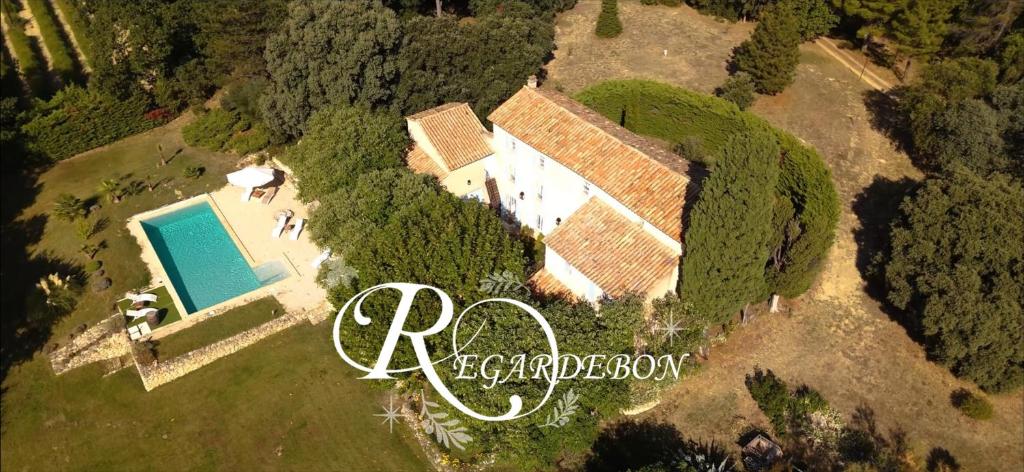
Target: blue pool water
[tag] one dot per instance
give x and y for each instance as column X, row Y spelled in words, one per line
column 201, row 259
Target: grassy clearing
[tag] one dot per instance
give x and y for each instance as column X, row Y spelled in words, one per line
column 286, row 403
column 25, row 51
column 64, row 65
column 164, row 304
column 72, row 12
column 219, row 327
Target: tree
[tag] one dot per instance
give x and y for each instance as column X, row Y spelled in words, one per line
column 739, row 89
column 771, row 54
column 967, row 133
column 329, row 53
column 135, row 44
column 342, row 143
column 68, row 207
column 955, row 269
column 815, row 17
column 1011, row 58
column 233, row 33
column 608, row 23
column 872, row 16
column 920, row 28
column 730, row 227
column 349, row 216
column 482, row 62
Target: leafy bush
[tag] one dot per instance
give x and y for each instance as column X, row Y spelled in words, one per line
column 76, row 120
column 61, row 60
column 674, row 114
column 193, row 172
column 608, row 23
column 190, row 86
column 249, row 141
column 212, row 129
column 31, row 65
column 739, row 89
column 971, row 405
column 772, row 396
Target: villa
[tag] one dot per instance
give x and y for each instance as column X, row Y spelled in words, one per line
column 609, row 203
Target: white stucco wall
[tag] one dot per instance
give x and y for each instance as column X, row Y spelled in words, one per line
column 575, row 281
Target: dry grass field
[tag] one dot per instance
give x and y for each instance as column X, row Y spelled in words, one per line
column 837, row 339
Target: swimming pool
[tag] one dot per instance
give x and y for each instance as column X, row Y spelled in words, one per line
column 201, row 260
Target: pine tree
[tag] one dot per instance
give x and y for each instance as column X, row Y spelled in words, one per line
column 874, row 15
column 921, row 27
column 771, row 54
column 731, row 227
column 608, row 24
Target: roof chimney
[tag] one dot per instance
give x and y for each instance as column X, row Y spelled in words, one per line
column 532, row 82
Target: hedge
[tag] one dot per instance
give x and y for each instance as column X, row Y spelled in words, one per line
column 76, row 20
column 76, row 120
column 675, row 115
column 63, row 64
column 223, row 130
column 32, row 67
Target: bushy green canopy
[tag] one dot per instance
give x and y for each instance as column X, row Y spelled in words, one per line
column 771, row 54
column 342, row 143
column 957, row 269
column 328, row 53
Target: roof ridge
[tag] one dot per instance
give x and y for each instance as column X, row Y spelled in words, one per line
column 435, row 110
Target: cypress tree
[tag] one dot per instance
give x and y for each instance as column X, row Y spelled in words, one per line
column 771, row 54
column 608, row 24
column 731, row 227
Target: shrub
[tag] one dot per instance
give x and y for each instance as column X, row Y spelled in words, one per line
column 93, row 266
column 68, row 207
column 212, row 129
column 76, row 120
column 971, row 405
column 608, row 24
column 738, row 89
column 61, row 60
column 193, row 172
column 247, row 142
column 771, row 395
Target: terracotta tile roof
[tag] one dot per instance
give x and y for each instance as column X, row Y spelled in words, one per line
column 647, row 179
column 545, row 282
column 455, row 131
column 611, row 251
column 421, row 163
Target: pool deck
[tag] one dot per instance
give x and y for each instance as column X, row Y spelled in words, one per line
column 249, row 224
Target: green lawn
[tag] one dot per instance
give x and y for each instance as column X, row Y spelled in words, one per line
column 287, row 402
column 168, row 312
column 219, row 327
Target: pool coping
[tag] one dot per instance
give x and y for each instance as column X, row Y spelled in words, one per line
column 156, row 267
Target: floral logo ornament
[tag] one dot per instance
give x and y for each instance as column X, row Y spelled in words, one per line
column 447, row 431
column 501, row 282
column 565, row 408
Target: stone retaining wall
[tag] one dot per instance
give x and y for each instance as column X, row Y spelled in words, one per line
column 104, row 340
column 161, row 372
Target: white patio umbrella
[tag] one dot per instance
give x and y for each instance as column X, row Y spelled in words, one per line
column 251, row 177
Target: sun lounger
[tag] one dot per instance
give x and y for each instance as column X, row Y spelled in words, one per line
column 246, row 193
column 134, row 333
column 141, row 297
column 320, row 259
column 276, row 232
column 136, row 314
column 297, row 229
column 268, row 195
column 144, row 329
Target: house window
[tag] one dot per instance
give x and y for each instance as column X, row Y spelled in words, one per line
column 586, row 188
column 487, row 175
column 540, row 223
column 558, row 221
column 522, row 195
column 540, row 192
column 512, row 143
column 512, row 173
column 541, row 161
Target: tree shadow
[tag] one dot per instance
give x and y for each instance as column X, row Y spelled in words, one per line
column 886, row 116
column 631, row 445
column 877, row 207
column 941, row 460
